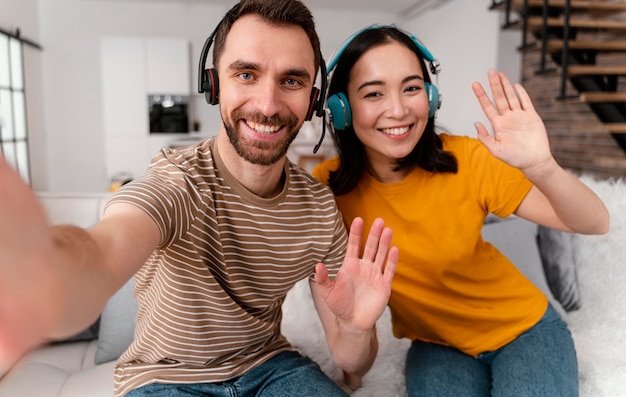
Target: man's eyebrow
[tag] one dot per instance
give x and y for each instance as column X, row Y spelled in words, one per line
column 246, row 65
column 379, row 82
column 301, row 73
column 243, row 65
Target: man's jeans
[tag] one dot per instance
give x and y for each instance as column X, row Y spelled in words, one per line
column 287, row 374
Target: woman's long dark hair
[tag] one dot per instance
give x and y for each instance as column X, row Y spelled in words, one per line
column 427, row 154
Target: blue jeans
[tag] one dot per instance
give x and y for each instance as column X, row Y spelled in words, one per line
column 286, row 374
column 540, row 362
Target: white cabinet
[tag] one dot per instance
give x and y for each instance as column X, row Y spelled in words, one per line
column 133, row 67
column 124, row 87
column 168, row 66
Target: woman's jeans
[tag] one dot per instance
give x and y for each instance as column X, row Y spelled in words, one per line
column 540, row 362
column 287, row 374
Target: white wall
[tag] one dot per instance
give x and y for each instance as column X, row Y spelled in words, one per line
column 466, row 38
column 463, row 34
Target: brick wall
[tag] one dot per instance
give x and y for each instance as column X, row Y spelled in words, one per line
column 579, row 141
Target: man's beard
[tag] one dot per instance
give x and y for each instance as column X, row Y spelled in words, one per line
column 259, row 152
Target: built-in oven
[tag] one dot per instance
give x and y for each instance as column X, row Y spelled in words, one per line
column 168, row 113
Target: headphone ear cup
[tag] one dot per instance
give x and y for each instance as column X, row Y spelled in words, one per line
column 313, row 104
column 433, row 99
column 211, row 86
column 340, row 113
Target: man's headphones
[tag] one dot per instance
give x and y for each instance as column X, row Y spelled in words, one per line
column 338, row 105
column 208, row 82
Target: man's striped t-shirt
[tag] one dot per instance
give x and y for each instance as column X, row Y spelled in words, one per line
column 210, row 296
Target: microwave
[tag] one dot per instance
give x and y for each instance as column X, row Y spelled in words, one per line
column 168, row 113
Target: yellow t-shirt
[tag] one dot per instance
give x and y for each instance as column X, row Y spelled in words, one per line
column 450, row 286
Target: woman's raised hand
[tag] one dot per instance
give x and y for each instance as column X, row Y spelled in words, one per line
column 519, row 135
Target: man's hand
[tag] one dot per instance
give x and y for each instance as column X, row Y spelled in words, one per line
column 360, row 292
column 29, row 287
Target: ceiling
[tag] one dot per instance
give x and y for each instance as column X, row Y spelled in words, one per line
column 394, row 6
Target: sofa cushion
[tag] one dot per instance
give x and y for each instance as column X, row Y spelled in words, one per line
column 117, row 324
column 92, row 382
column 45, row 371
column 34, row 379
column 516, row 238
column 557, row 257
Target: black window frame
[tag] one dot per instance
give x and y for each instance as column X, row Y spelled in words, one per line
column 14, row 136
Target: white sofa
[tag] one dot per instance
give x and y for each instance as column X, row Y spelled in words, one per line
column 596, row 262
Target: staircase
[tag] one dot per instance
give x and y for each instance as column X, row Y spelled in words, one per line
column 578, row 47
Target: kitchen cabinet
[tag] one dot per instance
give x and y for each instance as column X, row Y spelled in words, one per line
column 167, row 65
column 131, row 69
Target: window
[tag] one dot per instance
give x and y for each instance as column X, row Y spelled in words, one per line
column 13, row 126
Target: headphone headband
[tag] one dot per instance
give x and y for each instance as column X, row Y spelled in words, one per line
column 203, row 57
column 435, row 68
column 202, row 88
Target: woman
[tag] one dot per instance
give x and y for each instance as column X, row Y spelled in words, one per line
column 478, row 326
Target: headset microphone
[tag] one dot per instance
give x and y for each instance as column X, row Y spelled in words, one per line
column 319, row 144
column 321, row 111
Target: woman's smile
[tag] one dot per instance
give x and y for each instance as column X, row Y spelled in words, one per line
column 396, row 131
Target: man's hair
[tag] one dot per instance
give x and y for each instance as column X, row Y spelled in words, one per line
column 277, row 12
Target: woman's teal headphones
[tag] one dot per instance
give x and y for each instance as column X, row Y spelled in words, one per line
column 338, row 106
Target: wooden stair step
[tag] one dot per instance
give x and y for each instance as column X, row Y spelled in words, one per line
column 582, row 70
column 589, row 24
column 602, row 16
column 616, row 128
column 600, row 97
column 603, row 46
column 576, row 5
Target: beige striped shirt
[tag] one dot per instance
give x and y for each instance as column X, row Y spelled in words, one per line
column 210, row 296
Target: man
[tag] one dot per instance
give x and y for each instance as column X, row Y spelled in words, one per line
column 215, row 235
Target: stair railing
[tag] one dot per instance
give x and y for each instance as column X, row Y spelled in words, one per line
column 565, row 49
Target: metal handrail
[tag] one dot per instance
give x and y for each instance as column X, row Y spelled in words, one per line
column 565, row 61
column 544, row 36
column 525, row 24
column 565, row 49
